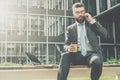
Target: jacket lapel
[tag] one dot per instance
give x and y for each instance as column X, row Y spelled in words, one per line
column 92, row 38
column 74, row 33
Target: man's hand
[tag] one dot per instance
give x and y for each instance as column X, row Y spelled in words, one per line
column 89, row 17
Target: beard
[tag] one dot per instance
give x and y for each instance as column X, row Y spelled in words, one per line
column 80, row 20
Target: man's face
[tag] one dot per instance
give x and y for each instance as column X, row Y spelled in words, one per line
column 79, row 14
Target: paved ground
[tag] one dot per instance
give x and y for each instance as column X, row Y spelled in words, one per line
column 31, row 74
column 38, row 74
column 45, row 74
column 34, row 73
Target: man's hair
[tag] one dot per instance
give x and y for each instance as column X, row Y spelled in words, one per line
column 77, row 5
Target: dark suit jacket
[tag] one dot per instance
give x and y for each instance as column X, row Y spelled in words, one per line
column 92, row 30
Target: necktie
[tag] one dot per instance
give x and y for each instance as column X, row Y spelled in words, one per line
column 83, row 42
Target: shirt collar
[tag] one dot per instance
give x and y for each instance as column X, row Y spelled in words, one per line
column 83, row 23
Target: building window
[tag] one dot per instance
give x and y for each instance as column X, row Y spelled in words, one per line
column 2, row 52
column 55, row 25
column 103, row 5
column 56, row 4
column 118, row 51
column 110, row 28
column 38, row 50
column 108, row 52
column 17, row 24
column 117, row 30
column 69, row 21
column 17, row 3
column 36, row 25
column 114, row 2
column 54, row 53
column 90, row 6
column 2, row 49
column 36, row 4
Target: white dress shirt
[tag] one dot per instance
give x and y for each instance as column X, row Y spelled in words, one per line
column 89, row 47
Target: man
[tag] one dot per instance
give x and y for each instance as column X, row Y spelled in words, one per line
column 81, row 45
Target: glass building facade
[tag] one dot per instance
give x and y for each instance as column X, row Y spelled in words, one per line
column 38, row 27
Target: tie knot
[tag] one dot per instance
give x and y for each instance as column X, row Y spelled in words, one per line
column 80, row 24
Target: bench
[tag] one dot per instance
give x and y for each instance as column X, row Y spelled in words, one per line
column 49, row 72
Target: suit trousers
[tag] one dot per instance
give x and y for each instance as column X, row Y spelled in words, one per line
column 77, row 59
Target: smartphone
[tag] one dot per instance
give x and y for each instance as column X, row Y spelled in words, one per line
column 86, row 17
